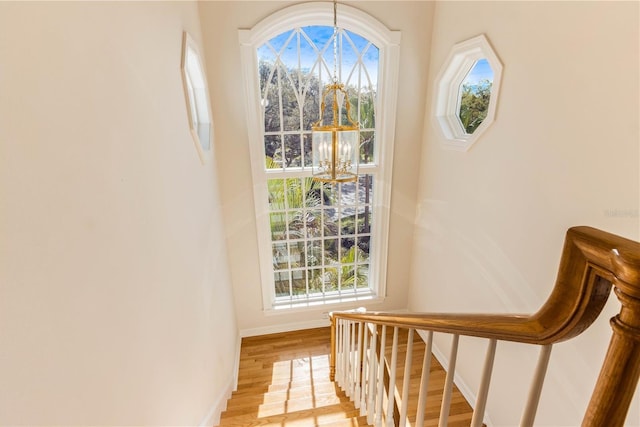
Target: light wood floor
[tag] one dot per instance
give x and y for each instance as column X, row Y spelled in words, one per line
column 284, row 381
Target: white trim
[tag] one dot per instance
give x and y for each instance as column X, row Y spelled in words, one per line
column 345, row 303
column 461, row 59
column 320, row 13
column 236, row 364
column 287, row 327
column 219, row 406
column 466, row 391
column 254, row 124
column 389, row 73
column 352, row 19
column 192, row 100
column 310, row 324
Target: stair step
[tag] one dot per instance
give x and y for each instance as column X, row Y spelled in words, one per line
column 284, row 382
column 249, row 398
column 351, row 422
column 286, row 367
column 287, row 405
column 298, row 379
column 305, row 418
column 295, row 386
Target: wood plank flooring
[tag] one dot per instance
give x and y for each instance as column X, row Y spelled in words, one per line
column 284, row 381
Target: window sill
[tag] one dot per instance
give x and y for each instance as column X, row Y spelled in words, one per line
column 328, row 302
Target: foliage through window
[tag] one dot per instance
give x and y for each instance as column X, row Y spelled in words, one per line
column 467, row 92
column 320, row 232
column 475, row 94
column 319, row 243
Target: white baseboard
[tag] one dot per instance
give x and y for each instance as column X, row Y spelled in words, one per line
column 213, row 416
column 220, row 405
column 288, row 327
column 236, row 364
column 466, row 391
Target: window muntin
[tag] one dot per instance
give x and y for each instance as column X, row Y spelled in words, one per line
column 320, row 233
column 320, row 237
column 382, row 131
column 294, row 67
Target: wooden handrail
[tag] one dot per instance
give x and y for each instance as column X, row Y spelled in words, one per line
column 592, row 261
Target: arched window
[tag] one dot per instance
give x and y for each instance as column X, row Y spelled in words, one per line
column 319, row 242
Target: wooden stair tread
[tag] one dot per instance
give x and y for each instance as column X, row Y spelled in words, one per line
column 351, row 422
column 289, row 405
column 284, row 382
column 304, row 418
column 254, row 399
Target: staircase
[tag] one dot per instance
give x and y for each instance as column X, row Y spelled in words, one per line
column 284, row 381
column 593, row 263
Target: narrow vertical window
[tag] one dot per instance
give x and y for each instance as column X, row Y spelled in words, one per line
column 196, row 95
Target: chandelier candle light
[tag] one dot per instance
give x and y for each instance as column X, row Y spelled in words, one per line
column 335, row 146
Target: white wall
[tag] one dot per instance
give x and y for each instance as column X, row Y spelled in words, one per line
column 115, row 298
column 564, row 151
column 220, row 23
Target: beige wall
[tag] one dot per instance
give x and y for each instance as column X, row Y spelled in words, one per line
column 563, row 151
column 115, row 298
column 220, row 24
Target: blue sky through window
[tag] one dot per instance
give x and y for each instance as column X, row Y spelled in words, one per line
column 354, row 47
column 480, row 71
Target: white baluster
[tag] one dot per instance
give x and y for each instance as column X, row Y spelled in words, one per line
column 371, row 403
column 392, row 378
column 345, row 353
column 338, row 360
column 379, row 394
column 355, row 364
column 483, row 392
column 536, row 387
column 448, row 384
column 405, row 382
column 343, row 356
column 424, row 381
column 366, row 365
column 353, row 360
column 347, row 360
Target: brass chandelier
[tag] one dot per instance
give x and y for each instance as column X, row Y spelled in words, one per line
column 335, row 146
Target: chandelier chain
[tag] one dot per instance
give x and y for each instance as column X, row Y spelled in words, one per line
column 335, row 41
column 335, row 146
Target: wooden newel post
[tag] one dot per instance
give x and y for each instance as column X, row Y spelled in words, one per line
column 332, row 356
column 619, row 374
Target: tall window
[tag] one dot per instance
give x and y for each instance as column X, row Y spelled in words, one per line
column 319, row 242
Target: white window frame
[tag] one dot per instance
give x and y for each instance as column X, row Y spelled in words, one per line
column 461, row 60
column 196, row 93
column 388, row 42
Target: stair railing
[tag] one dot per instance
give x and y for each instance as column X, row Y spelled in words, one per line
column 592, row 262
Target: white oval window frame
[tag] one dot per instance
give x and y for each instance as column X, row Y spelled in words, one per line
column 461, row 60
